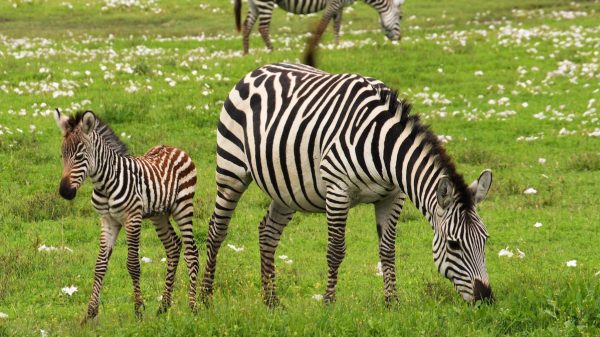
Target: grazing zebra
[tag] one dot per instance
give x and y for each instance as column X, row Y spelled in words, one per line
column 127, row 189
column 318, row 142
column 263, row 9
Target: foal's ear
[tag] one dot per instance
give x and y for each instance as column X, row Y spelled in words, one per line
column 88, row 122
column 480, row 187
column 62, row 121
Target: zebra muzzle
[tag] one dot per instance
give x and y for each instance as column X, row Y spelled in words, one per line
column 65, row 190
column 482, row 292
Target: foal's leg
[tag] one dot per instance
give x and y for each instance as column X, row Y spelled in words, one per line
column 133, row 228
column 108, row 235
column 269, row 232
column 172, row 245
column 182, row 214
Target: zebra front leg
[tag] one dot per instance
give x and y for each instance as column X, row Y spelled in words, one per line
column 264, row 18
column 108, row 235
column 337, row 25
column 133, row 229
column 387, row 212
column 228, row 195
column 183, row 214
column 172, row 245
column 269, row 232
column 337, row 207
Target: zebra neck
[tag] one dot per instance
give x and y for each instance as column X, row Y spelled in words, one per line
column 418, row 171
column 109, row 166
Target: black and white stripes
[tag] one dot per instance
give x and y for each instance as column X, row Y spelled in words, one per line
column 262, row 10
column 321, row 142
column 127, row 189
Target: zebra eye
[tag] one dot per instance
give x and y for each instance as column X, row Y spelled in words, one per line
column 79, row 156
column 453, row 244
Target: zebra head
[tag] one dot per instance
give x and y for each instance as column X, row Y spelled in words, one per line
column 76, row 150
column 460, row 236
column 389, row 18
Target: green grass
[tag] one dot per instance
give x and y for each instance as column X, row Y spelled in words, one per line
column 98, row 54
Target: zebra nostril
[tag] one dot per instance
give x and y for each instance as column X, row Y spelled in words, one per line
column 482, row 291
column 65, row 190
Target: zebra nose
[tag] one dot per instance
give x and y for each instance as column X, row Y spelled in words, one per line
column 65, row 190
column 482, row 292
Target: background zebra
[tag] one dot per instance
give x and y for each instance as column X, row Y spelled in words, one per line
column 126, row 189
column 263, row 9
column 318, row 142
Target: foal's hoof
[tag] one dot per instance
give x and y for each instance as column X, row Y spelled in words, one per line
column 272, row 302
column 87, row 320
column 329, row 299
column 194, row 308
column 392, row 301
column 139, row 310
column 162, row 310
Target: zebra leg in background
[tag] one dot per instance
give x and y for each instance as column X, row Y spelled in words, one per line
column 313, row 42
column 172, row 245
column 387, row 212
column 133, row 229
column 337, row 25
column 248, row 23
column 337, row 205
column 183, row 214
column 264, row 20
column 108, row 235
column 229, row 192
column 269, row 233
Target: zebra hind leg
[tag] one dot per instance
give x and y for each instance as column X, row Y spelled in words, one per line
column 248, row 23
column 337, row 207
column 229, row 192
column 183, row 214
column 387, row 212
column 337, row 25
column 269, row 232
column 172, row 245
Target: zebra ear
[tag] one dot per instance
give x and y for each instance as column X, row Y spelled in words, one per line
column 62, row 121
column 480, row 187
column 445, row 192
column 88, row 122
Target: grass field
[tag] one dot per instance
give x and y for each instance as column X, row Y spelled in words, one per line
column 515, row 85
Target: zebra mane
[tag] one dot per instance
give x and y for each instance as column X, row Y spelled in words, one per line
column 103, row 130
column 402, row 109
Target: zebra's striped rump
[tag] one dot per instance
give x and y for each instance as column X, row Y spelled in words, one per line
column 158, row 185
column 319, row 142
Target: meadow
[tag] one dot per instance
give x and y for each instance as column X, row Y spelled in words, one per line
column 512, row 85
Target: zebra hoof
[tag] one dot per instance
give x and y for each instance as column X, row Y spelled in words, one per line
column 329, row 298
column 162, row 310
column 139, row 311
column 392, row 301
column 271, row 302
column 194, row 308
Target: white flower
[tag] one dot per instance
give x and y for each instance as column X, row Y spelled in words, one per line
column 379, row 269
column 283, row 257
column 3, row 315
column 317, row 297
column 597, row 273
column 524, row 104
column 505, row 252
column 69, row 290
column 146, row 259
column 542, row 161
column 444, row 138
column 44, row 248
column 236, row 249
column 530, row 190
column 572, row 263
column 537, row 225
column 478, row 73
column 44, row 333
column 164, row 259
column 521, row 254
column 289, row 261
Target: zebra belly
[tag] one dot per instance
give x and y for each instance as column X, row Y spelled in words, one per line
column 300, row 7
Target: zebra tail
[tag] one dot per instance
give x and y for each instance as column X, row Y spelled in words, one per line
column 237, row 8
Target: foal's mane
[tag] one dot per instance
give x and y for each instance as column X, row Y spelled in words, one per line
column 103, row 130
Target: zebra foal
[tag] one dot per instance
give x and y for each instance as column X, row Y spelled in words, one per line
column 127, row 189
column 319, row 142
column 262, row 10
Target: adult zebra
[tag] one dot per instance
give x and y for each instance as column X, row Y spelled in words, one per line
column 318, row 142
column 263, row 9
column 127, row 189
